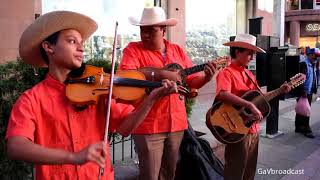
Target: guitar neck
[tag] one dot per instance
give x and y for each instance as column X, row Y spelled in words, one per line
column 194, row 69
column 274, row 93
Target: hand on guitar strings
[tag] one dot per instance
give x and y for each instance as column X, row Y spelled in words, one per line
column 209, row 70
column 172, row 75
column 168, row 87
column 257, row 115
column 286, row 87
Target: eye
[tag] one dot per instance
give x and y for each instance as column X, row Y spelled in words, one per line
column 72, row 41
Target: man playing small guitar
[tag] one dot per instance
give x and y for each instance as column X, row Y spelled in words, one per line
column 232, row 83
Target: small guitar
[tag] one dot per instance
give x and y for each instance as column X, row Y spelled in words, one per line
column 158, row 74
column 231, row 123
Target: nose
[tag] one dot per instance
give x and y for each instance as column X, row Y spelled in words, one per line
column 144, row 35
column 80, row 48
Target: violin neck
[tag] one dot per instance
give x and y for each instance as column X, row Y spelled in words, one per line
column 135, row 83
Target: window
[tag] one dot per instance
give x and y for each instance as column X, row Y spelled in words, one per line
column 317, row 4
column 293, row 4
column 209, row 24
column 306, row 4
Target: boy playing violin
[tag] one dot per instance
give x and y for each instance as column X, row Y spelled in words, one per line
column 44, row 128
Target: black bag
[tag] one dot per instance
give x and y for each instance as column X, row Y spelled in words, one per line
column 197, row 160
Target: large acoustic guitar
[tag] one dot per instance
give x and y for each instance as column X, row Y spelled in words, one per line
column 231, row 123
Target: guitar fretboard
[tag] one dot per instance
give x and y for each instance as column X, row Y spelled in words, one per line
column 273, row 94
column 276, row 92
column 194, row 69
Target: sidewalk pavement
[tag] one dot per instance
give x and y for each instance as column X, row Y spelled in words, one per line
column 290, row 151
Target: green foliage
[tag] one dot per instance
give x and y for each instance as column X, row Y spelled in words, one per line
column 15, row 78
column 189, row 103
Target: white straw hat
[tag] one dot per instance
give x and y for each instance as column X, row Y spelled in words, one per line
column 245, row 41
column 153, row 16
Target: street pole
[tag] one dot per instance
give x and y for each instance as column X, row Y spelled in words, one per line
column 278, row 22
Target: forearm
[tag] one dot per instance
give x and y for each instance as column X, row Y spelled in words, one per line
column 233, row 99
column 135, row 118
column 198, row 82
column 20, row 148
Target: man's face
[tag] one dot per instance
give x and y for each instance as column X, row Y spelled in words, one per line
column 152, row 36
column 244, row 57
column 68, row 51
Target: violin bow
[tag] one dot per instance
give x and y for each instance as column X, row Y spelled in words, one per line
column 105, row 139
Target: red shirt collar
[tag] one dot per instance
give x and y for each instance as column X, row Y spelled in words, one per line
column 237, row 67
column 52, row 82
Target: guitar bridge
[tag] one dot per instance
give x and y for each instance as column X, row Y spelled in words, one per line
column 227, row 118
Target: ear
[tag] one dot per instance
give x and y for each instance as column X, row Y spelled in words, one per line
column 164, row 31
column 47, row 47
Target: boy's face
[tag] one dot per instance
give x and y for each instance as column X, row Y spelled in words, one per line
column 245, row 57
column 68, row 51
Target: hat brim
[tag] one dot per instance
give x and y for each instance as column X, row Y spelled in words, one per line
column 48, row 24
column 245, row 46
column 168, row 22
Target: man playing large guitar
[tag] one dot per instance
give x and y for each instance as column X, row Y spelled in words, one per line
column 232, row 83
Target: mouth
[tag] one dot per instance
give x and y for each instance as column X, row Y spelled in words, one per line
column 79, row 58
column 146, row 39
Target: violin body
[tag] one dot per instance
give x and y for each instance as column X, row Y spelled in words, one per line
column 93, row 83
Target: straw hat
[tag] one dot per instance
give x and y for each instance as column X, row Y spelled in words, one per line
column 245, row 41
column 46, row 25
column 153, row 16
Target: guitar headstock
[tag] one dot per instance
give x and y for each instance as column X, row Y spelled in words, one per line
column 222, row 62
column 297, row 80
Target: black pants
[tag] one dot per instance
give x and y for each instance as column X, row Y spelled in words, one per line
column 302, row 122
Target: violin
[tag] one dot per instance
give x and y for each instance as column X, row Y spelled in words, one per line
column 129, row 86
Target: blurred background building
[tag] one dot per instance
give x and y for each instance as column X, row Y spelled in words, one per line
column 204, row 25
column 302, row 22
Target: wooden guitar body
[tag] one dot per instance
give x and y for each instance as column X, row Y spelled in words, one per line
column 230, row 123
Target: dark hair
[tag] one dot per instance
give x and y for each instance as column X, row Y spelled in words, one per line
column 52, row 39
column 233, row 51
